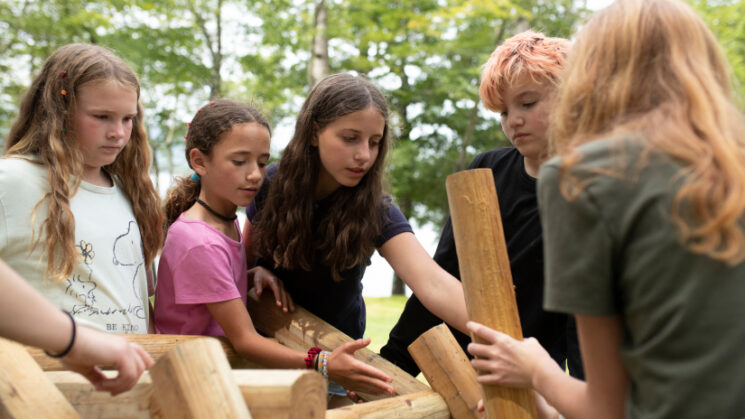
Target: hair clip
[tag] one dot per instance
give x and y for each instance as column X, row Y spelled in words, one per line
column 63, row 92
column 185, row 137
column 188, row 124
column 212, row 103
column 199, row 110
column 63, row 74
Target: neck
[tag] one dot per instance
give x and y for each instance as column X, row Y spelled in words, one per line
column 216, row 210
column 533, row 165
column 97, row 176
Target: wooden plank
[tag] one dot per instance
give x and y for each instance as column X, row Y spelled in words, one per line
column 426, row 404
column 156, row 346
column 268, row 394
column 194, row 380
column 487, row 279
column 25, row 392
column 301, row 330
column 448, row 371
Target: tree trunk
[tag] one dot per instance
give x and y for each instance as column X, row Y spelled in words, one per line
column 468, row 137
column 318, row 67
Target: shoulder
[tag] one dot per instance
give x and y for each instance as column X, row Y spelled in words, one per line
column 394, row 221
column 19, row 168
column 494, row 158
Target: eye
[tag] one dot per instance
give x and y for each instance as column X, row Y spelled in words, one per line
column 262, row 165
column 503, row 115
column 348, row 138
column 530, row 104
column 374, row 143
column 238, row 162
column 103, row 117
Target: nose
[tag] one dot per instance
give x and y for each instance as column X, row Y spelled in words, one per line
column 362, row 153
column 116, row 130
column 515, row 119
column 254, row 174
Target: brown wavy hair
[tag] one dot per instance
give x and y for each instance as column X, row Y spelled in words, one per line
column 346, row 233
column 205, row 131
column 652, row 67
column 44, row 129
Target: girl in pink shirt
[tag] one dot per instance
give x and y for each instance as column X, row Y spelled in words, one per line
column 202, row 275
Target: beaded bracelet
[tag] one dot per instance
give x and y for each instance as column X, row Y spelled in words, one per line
column 72, row 339
column 324, row 367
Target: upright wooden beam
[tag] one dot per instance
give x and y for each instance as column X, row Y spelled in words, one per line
column 156, row 346
column 194, row 380
column 301, row 330
column 485, row 272
column 269, row 394
column 25, row 392
column 448, row 371
column 423, row 405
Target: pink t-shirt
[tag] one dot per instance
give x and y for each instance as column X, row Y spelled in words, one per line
column 199, row 265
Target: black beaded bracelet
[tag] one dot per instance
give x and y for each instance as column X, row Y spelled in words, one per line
column 72, row 339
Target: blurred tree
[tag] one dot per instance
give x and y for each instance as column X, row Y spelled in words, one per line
column 725, row 18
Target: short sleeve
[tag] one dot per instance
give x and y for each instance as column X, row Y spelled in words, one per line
column 204, row 275
column 394, row 223
column 578, row 250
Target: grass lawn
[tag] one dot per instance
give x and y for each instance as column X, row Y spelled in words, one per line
column 382, row 314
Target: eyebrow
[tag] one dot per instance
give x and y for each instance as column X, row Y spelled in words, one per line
column 527, row 93
column 248, row 152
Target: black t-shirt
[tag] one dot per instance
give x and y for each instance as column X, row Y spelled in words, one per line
column 338, row 303
column 516, row 192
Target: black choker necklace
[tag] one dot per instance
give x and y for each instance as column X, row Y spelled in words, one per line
column 215, row 213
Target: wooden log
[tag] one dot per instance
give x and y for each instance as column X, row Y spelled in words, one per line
column 485, row 272
column 301, row 330
column 425, row 404
column 194, row 380
column 269, row 394
column 156, row 346
column 448, row 371
column 25, row 392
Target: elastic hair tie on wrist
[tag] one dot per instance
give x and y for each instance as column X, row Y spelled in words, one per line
column 72, row 339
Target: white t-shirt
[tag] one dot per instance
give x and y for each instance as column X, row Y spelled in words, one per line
column 108, row 288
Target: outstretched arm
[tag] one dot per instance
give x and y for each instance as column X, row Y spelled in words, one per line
column 439, row 291
column 343, row 367
column 27, row 317
column 507, row 361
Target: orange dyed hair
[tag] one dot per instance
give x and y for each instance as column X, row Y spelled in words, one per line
column 527, row 54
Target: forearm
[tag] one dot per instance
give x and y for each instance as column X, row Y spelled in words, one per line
column 445, row 299
column 269, row 352
column 566, row 394
column 27, row 317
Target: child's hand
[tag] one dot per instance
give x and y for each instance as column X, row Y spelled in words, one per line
column 262, row 278
column 354, row 374
column 93, row 349
column 505, row 360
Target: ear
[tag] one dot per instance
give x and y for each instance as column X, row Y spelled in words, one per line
column 198, row 161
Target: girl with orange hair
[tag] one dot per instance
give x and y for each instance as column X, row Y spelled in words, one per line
column 644, row 218
column 75, row 191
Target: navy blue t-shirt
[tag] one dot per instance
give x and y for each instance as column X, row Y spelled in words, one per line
column 338, row 303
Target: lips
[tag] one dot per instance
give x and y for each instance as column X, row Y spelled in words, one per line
column 357, row 171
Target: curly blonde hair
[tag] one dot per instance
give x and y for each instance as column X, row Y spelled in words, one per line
column 44, row 129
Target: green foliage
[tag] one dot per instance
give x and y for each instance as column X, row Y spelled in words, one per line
column 426, row 54
column 725, row 18
column 382, row 315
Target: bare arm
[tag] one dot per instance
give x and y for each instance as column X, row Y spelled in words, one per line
column 507, row 361
column 342, row 366
column 27, row 317
column 439, row 291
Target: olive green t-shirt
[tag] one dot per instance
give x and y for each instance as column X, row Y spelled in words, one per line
column 614, row 250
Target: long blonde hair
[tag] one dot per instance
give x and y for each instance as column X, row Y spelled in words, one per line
column 653, row 67
column 44, row 129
